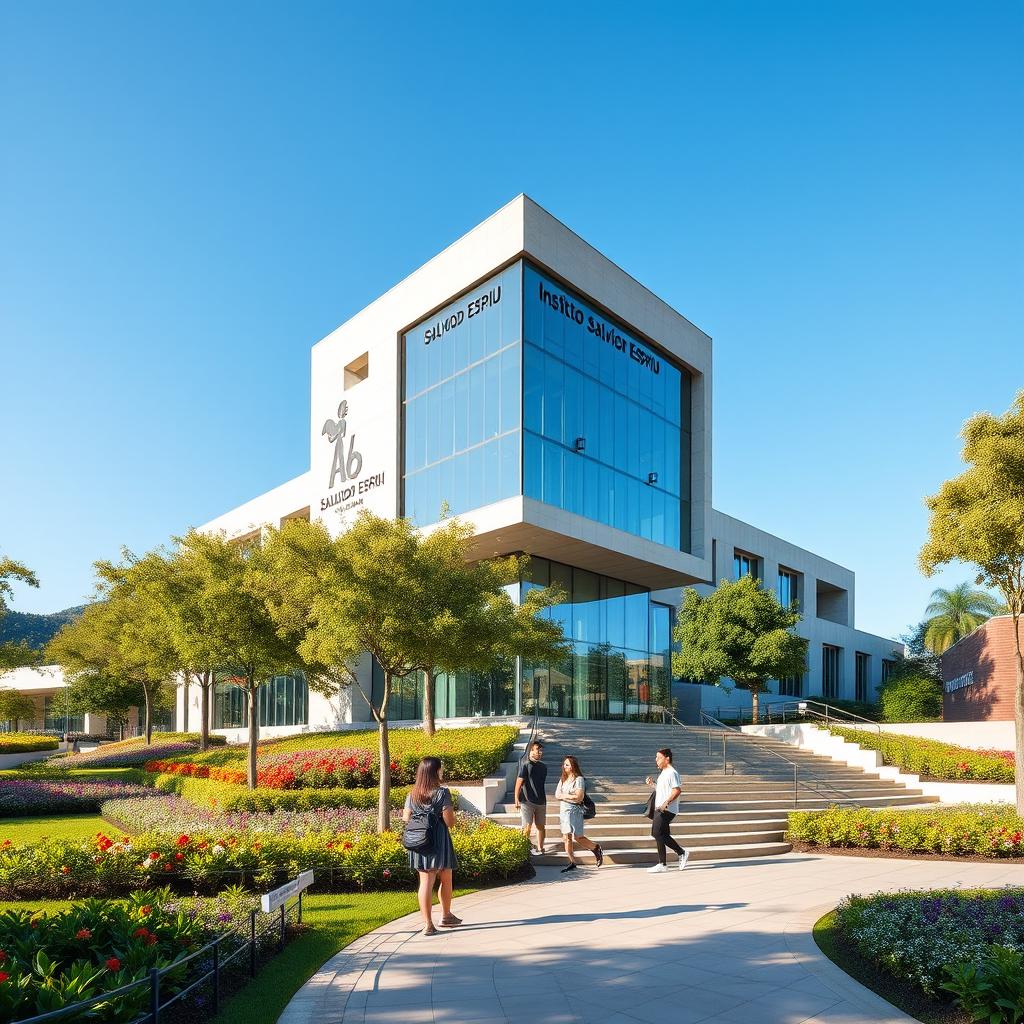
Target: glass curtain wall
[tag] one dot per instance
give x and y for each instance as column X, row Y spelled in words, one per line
column 605, row 418
column 56, row 716
column 283, row 700
column 620, row 665
column 462, row 402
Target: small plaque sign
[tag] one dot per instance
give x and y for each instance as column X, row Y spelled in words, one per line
column 271, row 901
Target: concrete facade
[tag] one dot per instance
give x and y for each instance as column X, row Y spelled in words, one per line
column 359, row 381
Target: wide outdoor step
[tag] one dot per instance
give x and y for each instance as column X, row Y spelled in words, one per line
column 620, row 826
column 642, row 855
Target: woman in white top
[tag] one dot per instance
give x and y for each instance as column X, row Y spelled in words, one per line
column 570, row 791
column 666, row 807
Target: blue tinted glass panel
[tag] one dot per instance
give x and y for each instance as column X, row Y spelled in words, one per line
column 462, row 400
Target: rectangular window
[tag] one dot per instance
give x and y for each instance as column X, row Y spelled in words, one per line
column 830, row 663
column 887, row 668
column 283, row 700
column 57, row 717
column 863, row 680
column 789, row 594
column 744, row 564
column 791, row 686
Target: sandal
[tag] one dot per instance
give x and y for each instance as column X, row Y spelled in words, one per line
column 450, row 921
column 429, row 930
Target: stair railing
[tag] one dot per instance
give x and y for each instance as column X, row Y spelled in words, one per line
column 803, row 709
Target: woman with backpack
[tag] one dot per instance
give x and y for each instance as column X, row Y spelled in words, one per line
column 428, row 816
column 571, row 792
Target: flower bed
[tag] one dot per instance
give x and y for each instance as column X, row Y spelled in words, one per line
column 932, row 758
column 210, row 861
column 25, row 742
column 990, row 830
column 467, row 754
column 125, row 755
column 177, row 815
column 26, row 797
column 927, row 938
column 81, row 952
column 226, row 796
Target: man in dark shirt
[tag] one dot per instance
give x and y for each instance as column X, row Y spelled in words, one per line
column 531, row 800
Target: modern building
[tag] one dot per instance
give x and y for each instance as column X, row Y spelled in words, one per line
column 533, row 387
column 46, row 687
column 979, row 674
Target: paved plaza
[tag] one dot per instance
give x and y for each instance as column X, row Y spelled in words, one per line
column 725, row 942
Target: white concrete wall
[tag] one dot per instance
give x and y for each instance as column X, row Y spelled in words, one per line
column 974, row 735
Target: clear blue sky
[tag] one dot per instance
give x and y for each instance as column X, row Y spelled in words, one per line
column 192, row 194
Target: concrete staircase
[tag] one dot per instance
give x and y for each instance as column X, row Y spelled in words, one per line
column 737, row 789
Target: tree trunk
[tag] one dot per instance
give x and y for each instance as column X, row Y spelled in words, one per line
column 755, row 704
column 184, row 703
column 149, row 715
column 428, row 702
column 205, row 681
column 384, row 753
column 254, row 732
column 1019, row 718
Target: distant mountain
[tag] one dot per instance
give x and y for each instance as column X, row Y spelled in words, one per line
column 35, row 630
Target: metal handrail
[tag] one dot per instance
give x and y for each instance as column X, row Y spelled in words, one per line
column 808, row 779
column 838, row 714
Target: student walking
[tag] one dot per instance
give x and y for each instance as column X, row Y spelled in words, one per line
column 570, row 791
column 667, row 788
column 530, row 798
column 429, row 811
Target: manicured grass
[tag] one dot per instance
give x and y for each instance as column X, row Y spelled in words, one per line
column 334, row 921
column 83, row 774
column 901, row 994
column 70, row 826
column 46, row 906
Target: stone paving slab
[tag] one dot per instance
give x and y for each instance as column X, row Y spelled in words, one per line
column 724, row 942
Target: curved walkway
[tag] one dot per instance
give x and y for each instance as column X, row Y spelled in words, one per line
column 724, row 942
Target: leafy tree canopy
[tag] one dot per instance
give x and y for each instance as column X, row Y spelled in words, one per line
column 955, row 613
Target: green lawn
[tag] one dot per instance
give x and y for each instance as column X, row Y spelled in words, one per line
column 82, row 774
column 72, row 826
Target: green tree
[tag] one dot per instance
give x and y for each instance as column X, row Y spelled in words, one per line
column 955, row 613
column 470, row 621
column 94, row 693
column 242, row 635
column 15, row 706
column 739, row 631
column 978, row 518
column 14, row 655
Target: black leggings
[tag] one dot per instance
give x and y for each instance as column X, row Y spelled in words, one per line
column 659, row 829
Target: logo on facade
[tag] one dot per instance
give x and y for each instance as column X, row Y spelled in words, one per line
column 345, row 466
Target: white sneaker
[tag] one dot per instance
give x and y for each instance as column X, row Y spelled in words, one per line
column 684, row 857
column 657, row 869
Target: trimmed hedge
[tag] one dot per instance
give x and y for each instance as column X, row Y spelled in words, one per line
column 987, row 830
column 25, row 742
column 227, row 797
column 932, row 758
column 211, row 861
column 471, row 753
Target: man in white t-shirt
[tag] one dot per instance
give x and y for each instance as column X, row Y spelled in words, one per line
column 666, row 806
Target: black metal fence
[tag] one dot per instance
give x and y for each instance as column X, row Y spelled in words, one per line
column 212, row 963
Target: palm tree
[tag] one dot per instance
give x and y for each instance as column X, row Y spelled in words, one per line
column 954, row 613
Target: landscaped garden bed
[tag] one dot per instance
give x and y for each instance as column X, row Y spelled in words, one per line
column 30, row 796
column 25, row 743
column 986, row 830
column 932, row 759
column 943, row 956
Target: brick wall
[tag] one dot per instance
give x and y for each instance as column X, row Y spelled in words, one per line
column 989, row 654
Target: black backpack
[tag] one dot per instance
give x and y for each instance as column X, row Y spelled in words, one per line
column 420, row 831
column 589, row 810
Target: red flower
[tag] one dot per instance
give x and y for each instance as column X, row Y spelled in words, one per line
column 168, row 867
column 154, row 855
column 346, row 845
column 178, row 856
column 3, row 955
column 113, row 964
column 3, row 976
column 83, row 933
column 64, row 869
column 387, row 873
column 183, row 840
column 7, row 843
column 145, row 910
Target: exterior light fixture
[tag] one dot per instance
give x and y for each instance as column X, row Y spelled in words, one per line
column 652, row 478
column 580, row 444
